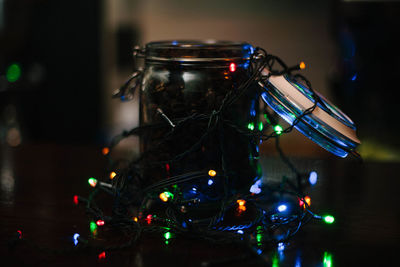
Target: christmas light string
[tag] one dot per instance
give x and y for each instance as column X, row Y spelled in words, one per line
column 213, row 121
column 277, row 211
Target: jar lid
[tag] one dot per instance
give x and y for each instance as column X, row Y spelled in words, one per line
column 326, row 125
column 197, row 51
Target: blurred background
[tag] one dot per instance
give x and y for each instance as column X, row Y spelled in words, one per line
column 60, row 61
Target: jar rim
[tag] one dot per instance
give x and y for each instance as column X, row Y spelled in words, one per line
column 198, row 51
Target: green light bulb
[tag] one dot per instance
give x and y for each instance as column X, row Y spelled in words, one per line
column 13, row 73
column 278, row 129
column 275, row 261
column 260, row 126
column 250, row 126
column 329, row 219
column 92, row 226
column 167, row 235
column 327, row 259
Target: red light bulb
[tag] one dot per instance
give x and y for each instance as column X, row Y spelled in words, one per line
column 232, row 67
column 100, row 222
column 76, row 200
column 102, row 255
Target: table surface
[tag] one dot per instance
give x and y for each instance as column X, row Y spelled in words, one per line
column 38, row 182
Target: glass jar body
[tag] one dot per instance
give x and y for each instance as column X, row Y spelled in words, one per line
column 182, row 99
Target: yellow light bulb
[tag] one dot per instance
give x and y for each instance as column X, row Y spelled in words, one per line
column 212, row 173
column 302, row 65
column 308, row 200
column 112, row 175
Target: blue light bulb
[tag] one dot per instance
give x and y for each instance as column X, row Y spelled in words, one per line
column 282, row 208
column 313, row 178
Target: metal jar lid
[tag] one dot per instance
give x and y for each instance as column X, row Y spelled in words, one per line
column 326, row 125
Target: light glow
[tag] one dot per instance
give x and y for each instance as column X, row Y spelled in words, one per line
column 313, row 178
column 92, row 181
column 149, row 218
column 278, row 129
column 241, row 205
column 302, row 65
column 327, row 259
column 210, row 182
column 112, row 175
column 76, row 236
column 100, row 222
column 232, row 67
column 76, row 200
column 250, row 126
column 329, row 219
column 13, row 73
column 102, row 255
column 165, row 196
column 260, row 126
column 282, row 208
column 105, row 151
column 212, row 173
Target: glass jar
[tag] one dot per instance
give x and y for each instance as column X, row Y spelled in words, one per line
column 183, row 87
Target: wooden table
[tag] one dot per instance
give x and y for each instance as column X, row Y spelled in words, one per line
column 38, row 181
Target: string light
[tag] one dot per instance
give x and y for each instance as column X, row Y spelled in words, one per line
column 302, row 65
column 100, row 222
column 93, row 227
column 102, row 255
column 155, row 187
column 13, row 73
column 278, row 129
column 165, row 196
column 275, row 260
column 327, row 259
column 76, row 199
column 232, row 67
column 212, row 173
column 105, row 151
column 329, row 219
column 241, row 205
column 307, row 200
column 112, row 175
column 255, row 188
column 167, row 237
column 250, row 126
column 313, row 178
column 260, row 126
column 282, row 208
column 92, row 181
column 76, row 238
column 149, row 218
column 19, row 234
